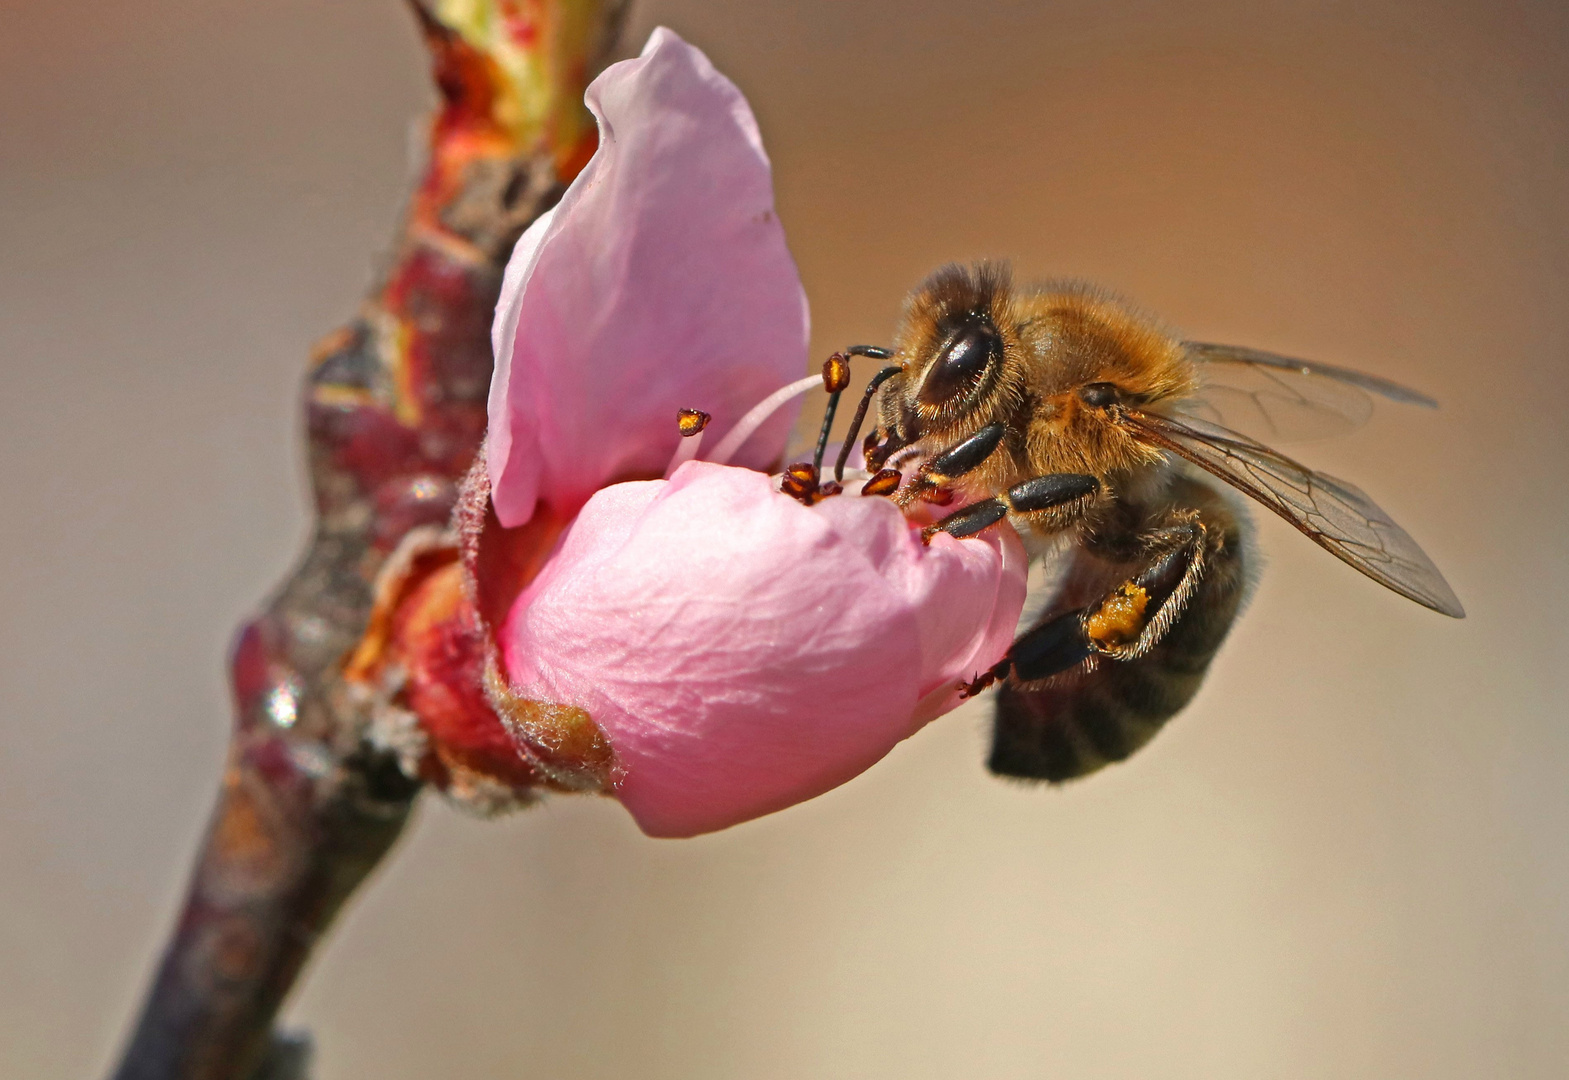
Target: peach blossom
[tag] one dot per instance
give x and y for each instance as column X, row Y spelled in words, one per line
column 739, row 651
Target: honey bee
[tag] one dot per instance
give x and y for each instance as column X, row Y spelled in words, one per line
column 1100, row 435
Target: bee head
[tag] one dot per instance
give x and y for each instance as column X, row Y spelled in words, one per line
column 955, row 347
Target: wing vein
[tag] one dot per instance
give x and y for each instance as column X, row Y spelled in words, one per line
column 1333, row 513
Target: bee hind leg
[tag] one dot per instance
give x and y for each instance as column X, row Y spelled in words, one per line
column 1137, row 614
column 1090, row 685
column 1126, row 623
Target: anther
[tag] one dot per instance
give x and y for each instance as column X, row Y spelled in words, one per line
column 800, row 483
column 883, row 482
column 692, row 422
column 836, row 373
column 878, row 453
column 871, row 448
column 836, row 376
column 802, row 473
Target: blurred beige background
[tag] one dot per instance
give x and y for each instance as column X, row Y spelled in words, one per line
column 1350, row 858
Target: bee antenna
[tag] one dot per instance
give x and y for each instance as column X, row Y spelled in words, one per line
column 866, row 400
column 836, row 376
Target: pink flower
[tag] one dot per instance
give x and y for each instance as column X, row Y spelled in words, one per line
column 660, row 280
column 737, row 650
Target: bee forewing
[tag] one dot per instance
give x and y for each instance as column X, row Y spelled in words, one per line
column 1283, row 399
column 1333, row 513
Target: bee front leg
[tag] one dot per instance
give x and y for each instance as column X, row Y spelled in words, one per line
column 1042, row 493
column 1123, row 625
column 956, row 461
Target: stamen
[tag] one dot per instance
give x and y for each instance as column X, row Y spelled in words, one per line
column 883, row 482
column 836, row 376
column 691, row 423
column 758, row 416
column 800, row 483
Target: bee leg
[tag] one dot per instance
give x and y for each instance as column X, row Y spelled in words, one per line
column 1125, row 624
column 1133, row 618
column 1041, row 493
column 1042, row 651
column 954, row 462
column 1096, row 713
column 866, row 401
column 968, row 521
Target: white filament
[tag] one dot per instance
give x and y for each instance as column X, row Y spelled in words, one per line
column 685, row 452
column 758, row 417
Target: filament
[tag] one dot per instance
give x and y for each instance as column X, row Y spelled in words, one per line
column 685, row 452
column 757, row 417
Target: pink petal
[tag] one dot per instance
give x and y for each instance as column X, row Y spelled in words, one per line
column 660, row 282
column 743, row 652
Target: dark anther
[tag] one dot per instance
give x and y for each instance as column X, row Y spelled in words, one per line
column 1098, row 395
column 962, row 362
column 937, row 496
column 877, row 454
column 968, row 455
column 969, row 521
column 883, row 482
column 1055, row 489
column 800, row 483
column 691, row 422
column 860, row 415
column 802, row 473
column 836, row 376
column 836, row 373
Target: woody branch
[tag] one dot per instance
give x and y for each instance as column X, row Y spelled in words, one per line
column 395, row 406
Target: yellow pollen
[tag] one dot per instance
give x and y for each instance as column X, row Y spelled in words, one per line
column 1120, row 618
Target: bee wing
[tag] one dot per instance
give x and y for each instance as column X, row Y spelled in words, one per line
column 1332, row 513
column 1284, row 399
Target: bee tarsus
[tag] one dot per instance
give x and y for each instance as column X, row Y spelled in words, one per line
column 1032, row 496
column 967, row 456
column 968, row 521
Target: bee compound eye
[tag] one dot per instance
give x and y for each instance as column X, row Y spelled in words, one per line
column 961, row 363
column 1098, row 395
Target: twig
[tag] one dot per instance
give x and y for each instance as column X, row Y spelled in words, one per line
column 396, row 410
